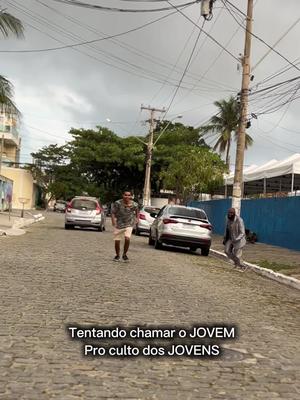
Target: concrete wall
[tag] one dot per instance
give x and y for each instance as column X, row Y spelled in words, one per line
column 158, row 202
column 23, row 186
column 276, row 221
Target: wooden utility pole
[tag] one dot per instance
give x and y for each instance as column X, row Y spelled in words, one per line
column 241, row 140
column 147, row 184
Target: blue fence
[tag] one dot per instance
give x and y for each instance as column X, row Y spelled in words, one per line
column 275, row 221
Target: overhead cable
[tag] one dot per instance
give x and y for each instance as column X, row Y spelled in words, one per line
column 91, row 41
column 124, row 10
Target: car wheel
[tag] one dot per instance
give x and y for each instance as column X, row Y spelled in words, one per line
column 193, row 248
column 150, row 240
column 68, row 226
column 205, row 251
column 157, row 244
column 137, row 232
column 100, row 229
column 103, row 228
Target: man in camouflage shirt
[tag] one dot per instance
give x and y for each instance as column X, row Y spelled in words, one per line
column 124, row 216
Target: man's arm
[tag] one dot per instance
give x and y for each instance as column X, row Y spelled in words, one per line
column 242, row 233
column 225, row 238
column 137, row 212
column 113, row 215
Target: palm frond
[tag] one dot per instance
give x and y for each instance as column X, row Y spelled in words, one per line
column 6, row 97
column 10, row 25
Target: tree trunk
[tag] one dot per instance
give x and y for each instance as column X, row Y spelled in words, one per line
column 228, row 154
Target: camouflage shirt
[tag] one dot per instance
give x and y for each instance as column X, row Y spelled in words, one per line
column 125, row 215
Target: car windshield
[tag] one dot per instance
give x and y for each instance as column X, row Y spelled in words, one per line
column 82, row 204
column 187, row 212
column 151, row 210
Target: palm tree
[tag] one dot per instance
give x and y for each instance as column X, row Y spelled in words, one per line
column 225, row 123
column 9, row 25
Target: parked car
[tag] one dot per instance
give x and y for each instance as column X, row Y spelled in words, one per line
column 181, row 226
column 60, row 206
column 85, row 211
column 145, row 219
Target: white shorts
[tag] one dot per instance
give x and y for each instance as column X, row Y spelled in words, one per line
column 120, row 233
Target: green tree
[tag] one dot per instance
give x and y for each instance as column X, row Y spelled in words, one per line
column 194, row 171
column 225, row 123
column 9, row 25
column 45, row 169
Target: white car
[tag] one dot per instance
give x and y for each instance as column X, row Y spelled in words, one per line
column 85, row 212
column 181, row 226
column 145, row 219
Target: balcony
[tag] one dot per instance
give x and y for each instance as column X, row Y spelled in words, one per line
column 10, row 134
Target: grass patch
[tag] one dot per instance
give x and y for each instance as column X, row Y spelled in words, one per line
column 278, row 267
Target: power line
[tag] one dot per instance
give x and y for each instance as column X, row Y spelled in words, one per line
column 140, row 53
column 91, row 41
column 184, row 72
column 256, row 36
column 114, row 9
column 207, row 34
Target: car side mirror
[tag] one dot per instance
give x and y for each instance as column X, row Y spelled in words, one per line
column 153, row 215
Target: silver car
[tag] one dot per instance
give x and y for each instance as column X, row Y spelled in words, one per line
column 145, row 219
column 60, row 206
column 181, row 226
column 85, row 212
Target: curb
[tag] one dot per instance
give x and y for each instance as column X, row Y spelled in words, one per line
column 16, row 229
column 275, row 276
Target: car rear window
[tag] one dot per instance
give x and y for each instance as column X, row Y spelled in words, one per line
column 151, row 210
column 187, row 212
column 84, row 204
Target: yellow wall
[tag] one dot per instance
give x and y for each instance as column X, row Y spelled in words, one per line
column 10, row 152
column 23, row 186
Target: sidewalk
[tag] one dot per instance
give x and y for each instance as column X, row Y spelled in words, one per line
column 13, row 226
column 278, row 259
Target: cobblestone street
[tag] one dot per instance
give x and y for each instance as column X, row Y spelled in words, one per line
column 51, row 278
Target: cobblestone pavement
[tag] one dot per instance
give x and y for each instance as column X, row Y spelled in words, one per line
column 51, row 277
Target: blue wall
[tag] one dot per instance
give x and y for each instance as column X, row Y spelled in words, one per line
column 275, row 221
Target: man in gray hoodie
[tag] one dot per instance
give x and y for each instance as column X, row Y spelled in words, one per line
column 234, row 237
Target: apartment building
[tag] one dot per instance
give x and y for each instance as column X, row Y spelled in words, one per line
column 12, row 176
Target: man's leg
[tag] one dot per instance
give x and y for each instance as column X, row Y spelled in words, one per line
column 228, row 249
column 117, row 247
column 117, row 239
column 236, row 256
column 126, row 245
column 128, row 233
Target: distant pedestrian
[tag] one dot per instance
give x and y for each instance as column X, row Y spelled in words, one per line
column 172, row 200
column 124, row 215
column 234, row 237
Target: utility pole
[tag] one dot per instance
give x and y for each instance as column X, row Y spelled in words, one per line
column 241, row 140
column 1, row 153
column 147, row 184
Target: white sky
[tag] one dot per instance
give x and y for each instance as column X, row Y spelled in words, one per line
column 83, row 86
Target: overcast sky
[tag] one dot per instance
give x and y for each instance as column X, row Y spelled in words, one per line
column 110, row 79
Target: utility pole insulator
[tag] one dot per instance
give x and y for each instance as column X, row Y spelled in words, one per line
column 206, row 9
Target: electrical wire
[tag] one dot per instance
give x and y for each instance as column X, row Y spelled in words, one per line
column 140, row 53
column 184, row 72
column 257, row 37
column 124, row 10
column 65, row 32
column 91, row 41
column 207, row 34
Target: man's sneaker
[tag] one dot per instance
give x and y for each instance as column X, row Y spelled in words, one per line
column 125, row 258
column 117, row 258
